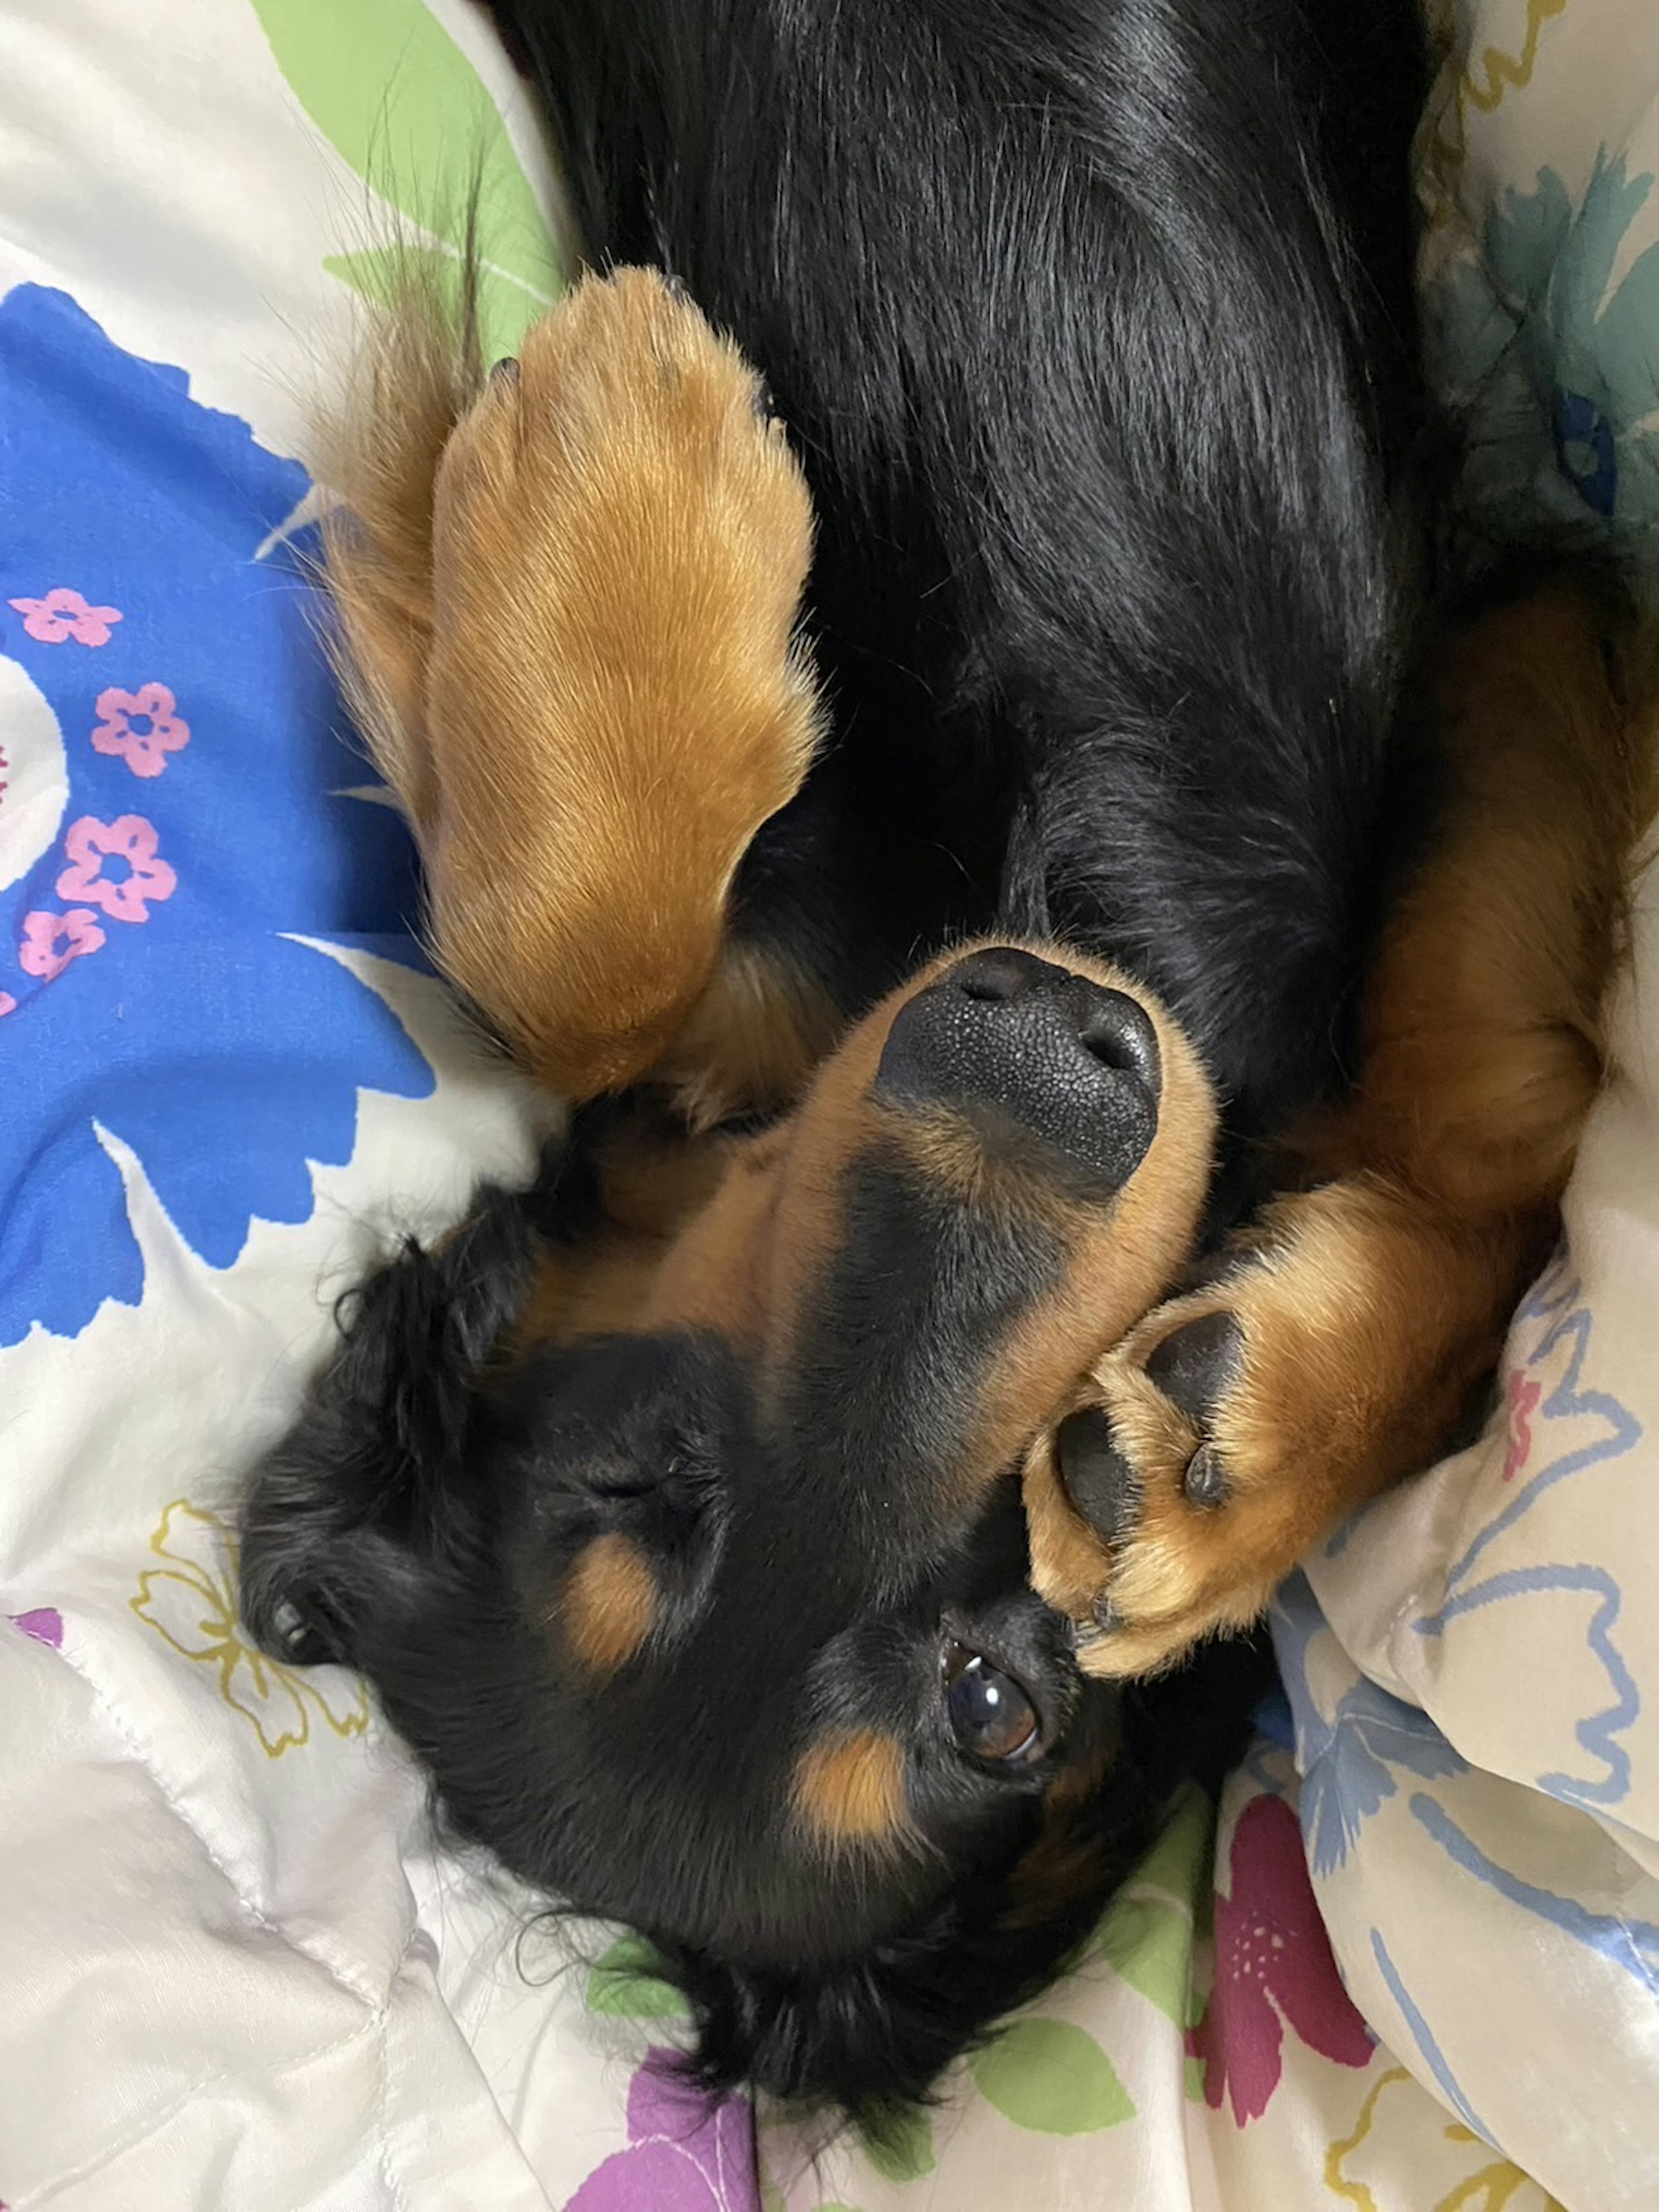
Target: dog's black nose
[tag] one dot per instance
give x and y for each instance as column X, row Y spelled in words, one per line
column 1023, row 1047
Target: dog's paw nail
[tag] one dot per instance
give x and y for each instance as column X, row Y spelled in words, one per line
column 1195, row 1365
column 1206, row 1481
column 1098, row 1478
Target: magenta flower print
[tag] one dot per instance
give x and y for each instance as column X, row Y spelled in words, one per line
column 116, row 865
column 1523, row 1394
column 50, row 941
column 686, row 2151
column 141, row 727
column 62, row 617
column 1273, row 1967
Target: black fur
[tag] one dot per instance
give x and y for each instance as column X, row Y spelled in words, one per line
column 1091, row 325
column 1091, row 322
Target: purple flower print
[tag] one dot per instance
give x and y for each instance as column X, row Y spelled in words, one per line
column 46, row 1624
column 686, row 2152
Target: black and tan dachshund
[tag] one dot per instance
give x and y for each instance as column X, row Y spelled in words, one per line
column 1079, row 1022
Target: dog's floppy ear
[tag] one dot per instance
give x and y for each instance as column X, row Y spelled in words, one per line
column 365, row 1498
column 871, row 2037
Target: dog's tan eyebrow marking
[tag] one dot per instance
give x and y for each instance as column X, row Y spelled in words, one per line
column 609, row 1602
column 849, row 1788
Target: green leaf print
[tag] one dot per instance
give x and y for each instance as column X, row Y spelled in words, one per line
column 1150, row 1944
column 625, row 1984
column 1048, row 2076
column 505, row 309
column 1180, row 1861
column 900, row 2144
column 1147, row 1935
column 394, row 95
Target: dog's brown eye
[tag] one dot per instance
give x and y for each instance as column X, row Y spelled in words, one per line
column 991, row 1717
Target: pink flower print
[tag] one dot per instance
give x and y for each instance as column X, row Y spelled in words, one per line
column 140, row 728
column 1273, row 1965
column 50, row 941
column 1524, row 1396
column 686, row 2152
column 116, row 866
column 63, row 615
column 8, row 1005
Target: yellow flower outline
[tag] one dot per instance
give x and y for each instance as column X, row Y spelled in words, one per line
column 1447, row 144
column 1489, row 2191
column 190, row 1604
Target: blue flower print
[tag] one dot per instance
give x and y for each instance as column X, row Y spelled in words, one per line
column 181, row 811
column 1349, row 1760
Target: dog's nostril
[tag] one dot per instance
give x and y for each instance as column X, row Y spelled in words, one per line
column 987, row 990
column 992, row 978
column 1119, row 1034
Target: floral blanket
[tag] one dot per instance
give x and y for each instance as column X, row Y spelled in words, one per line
column 1408, row 1964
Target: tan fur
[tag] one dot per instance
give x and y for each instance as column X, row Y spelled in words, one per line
column 849, row 1790
column 567, row 602
column 609, row 1603
column 378, row 453
column 752, row 1039
column 1372, row 1305
column 627, row 705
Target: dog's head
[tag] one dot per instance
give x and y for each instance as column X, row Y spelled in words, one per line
column 698, row 1575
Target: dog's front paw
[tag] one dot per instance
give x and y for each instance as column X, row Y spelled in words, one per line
column 1234, row 1426
column 1166, row 1505
column 617, row 697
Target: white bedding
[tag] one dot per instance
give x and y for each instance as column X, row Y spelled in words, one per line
column 236, row 1970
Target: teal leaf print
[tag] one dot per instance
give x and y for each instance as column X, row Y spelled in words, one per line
column 1525, row 235
column 1549, row 345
